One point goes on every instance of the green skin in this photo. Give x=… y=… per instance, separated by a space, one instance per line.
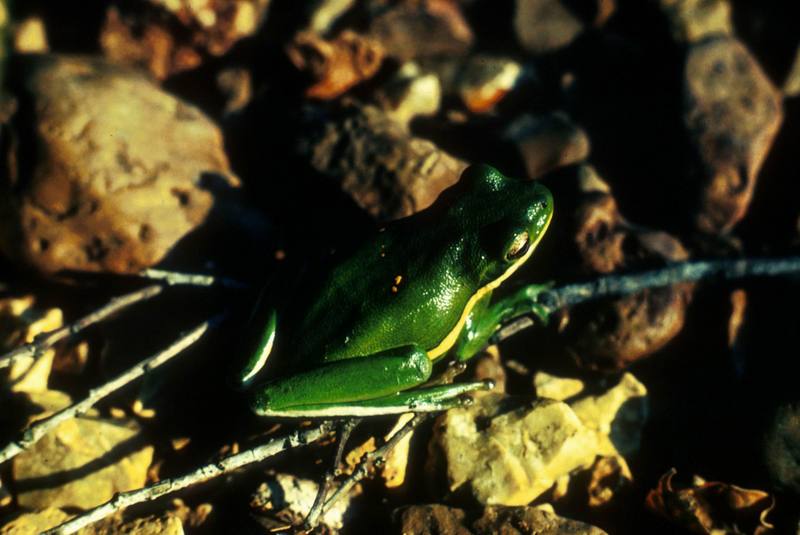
x=365 y=338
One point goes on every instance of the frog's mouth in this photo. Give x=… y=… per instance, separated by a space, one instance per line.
x=449 y=341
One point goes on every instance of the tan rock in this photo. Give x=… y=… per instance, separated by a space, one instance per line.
x=501 y=451
x=437 y=519
x=410 y=29
x=388 y=172
x=170 y=36
x=82 y=463
x=733 y=113
x=20 y=322
x=543 y=26
x=34 y=523
x=558 y=388
x=119 y=177
x=548 y=142
x=694 y=20
x=518 y=455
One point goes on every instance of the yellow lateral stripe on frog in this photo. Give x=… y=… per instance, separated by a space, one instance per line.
x=449 y=341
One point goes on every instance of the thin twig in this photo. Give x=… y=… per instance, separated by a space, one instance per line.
x=204 y=473
x=344 y=429
x=40 y=428
x=46 y=340
x=175 y=278
x=374 y=458
x=617 y=285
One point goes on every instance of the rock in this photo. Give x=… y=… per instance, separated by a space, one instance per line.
x=410 y=29
x=543 y=26
x=616 y=416
x=615 y=332
x=437 y=519
x=500 y=451
x=547 y=142
x=732 y=113
x=335 y=65
x=35 y=523
x=21 y=322
x=121 y=170
x=485 y=80
x=781 y=448
x=558 y=388
x=510 y=458
x=285 y=499
x=325 y=13
x=39 y=521
x=791 y=85
x=388 y=172
x=167 y=524
x=168 y=37
x=30 y=36
x=82 y=463
x=694 y=20
x=411 y=93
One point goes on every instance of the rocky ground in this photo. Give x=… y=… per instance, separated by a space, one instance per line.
x=249 y=138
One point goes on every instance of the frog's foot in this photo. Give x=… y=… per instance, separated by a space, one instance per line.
x=527 y=301
x=433 y=399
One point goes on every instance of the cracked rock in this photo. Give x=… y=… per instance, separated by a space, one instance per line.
x=121 y=171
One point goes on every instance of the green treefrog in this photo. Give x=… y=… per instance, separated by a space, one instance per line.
x=363 y=340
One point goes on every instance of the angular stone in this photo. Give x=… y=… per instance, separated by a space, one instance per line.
x=388 y=172
x=410 y=29
x=82 y=463
x=512 y=457
x=732 y=113
x=120 y=174
x=694 y=20
x=435 y=519
x=549 y=141
x=543 y=26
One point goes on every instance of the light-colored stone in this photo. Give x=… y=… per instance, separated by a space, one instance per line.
x=35 y=522
x=518 y=455
x=558 y=388
x=21 y=322
x=293 y=497
x=616 y=416
x=694 y=20
x=509 y=453
x=82 y=463
x=411 y=93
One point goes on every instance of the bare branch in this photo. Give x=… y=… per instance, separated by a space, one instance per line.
x=204 y=473
x=40 y=428
x=175 y=278
x=374 y=458
x=611 y=285
x=47 y=340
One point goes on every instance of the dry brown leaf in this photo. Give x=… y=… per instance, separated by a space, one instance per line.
x=712 y=507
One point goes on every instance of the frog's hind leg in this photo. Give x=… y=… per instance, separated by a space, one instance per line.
x=364 y=386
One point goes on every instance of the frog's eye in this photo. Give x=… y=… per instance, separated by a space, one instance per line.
x=518 y=247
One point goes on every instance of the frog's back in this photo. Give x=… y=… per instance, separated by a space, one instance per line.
x=388 y=294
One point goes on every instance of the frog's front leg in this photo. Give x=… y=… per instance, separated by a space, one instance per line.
x=377 y=384
x=486 y=318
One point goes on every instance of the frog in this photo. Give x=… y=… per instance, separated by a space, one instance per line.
x=365 y=336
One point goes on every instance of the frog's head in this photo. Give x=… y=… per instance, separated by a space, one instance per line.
x=504 y=219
